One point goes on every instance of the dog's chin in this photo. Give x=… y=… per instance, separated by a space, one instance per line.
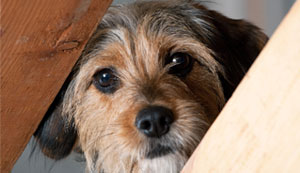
x=171 y=162
x=162 y=156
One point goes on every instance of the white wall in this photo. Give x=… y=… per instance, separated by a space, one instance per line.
x=236 y=9
x=267 y=14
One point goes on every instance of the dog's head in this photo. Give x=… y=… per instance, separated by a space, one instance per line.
x=149 y=83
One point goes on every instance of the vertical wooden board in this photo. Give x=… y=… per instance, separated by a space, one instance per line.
x=258 y=130
x=40 y=43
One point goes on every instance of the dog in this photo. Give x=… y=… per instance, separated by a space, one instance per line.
x=148 y=85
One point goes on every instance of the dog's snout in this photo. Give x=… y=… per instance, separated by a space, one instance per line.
x=154 y=121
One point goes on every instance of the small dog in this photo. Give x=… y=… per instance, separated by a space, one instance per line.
x=150 y=82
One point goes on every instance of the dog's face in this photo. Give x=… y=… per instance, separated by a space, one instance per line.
x=151 y=80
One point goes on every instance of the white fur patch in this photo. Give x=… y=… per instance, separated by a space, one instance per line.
x=171 y=163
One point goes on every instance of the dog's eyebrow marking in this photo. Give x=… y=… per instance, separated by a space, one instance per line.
x=100 y=40
x=109 y=36
x=132 y=46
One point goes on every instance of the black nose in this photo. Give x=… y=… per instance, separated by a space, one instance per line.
x=154 y=121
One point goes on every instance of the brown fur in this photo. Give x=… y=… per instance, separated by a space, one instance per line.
x=135 y=40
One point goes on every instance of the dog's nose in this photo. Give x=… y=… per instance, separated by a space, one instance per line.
x=154 y=121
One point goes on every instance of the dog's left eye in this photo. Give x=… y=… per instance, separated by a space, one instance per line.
x=106 y=81
x=180 y=64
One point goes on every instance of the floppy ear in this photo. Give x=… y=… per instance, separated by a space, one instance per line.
x=237 y=45
x=56 y=134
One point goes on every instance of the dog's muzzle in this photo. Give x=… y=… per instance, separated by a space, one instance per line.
x=155 y=122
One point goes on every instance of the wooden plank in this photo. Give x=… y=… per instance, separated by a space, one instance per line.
x=258 y=130
x=40 y=43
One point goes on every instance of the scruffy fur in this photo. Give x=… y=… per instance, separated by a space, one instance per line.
x=135 y=40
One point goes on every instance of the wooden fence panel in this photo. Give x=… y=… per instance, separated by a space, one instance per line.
x=259 y=128
x=40 y=42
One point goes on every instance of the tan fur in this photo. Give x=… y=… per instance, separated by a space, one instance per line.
x=137 y=48
x=106 y=122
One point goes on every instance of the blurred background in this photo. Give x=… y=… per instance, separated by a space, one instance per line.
x=267 y=14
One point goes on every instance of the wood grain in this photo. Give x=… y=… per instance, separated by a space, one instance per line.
x=40 y=43
x=258 y=130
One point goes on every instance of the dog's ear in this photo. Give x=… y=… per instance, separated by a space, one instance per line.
x=56 y=134
x=236 y=44
x=241 y=42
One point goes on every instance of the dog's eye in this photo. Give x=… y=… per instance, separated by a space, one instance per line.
x=180 y=64
x=105 y=80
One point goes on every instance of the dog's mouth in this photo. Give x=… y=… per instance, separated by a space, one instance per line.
x=158 y=151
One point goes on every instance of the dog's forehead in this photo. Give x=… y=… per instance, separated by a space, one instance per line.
x=176 y=18
x=147 y=32
x=156 y=15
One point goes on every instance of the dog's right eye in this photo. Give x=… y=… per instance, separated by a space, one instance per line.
x=180 y=64
x=106 y=81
